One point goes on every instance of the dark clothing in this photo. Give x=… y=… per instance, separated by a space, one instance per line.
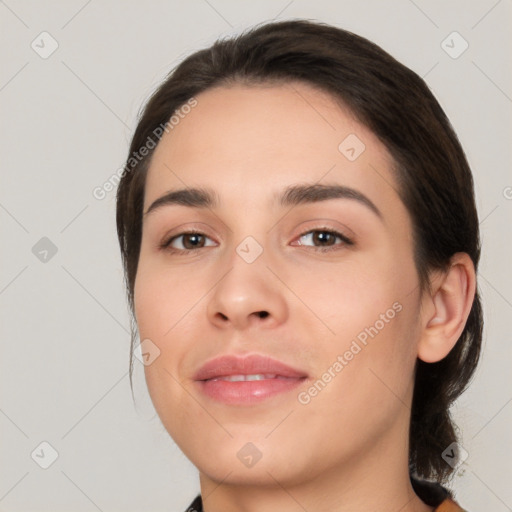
x=432 y=494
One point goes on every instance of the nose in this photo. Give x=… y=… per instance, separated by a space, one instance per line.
x=248 y=294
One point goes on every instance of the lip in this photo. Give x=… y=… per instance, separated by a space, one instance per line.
x=246 y=365
x=246 y=392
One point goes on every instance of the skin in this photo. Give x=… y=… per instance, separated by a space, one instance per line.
x=347 y=449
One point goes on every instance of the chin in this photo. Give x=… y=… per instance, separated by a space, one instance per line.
x=242 y=463
x=262 y=474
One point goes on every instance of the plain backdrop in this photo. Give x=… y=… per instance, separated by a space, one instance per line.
x=73 y=77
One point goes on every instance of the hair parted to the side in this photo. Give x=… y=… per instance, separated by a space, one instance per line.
x=433 y=176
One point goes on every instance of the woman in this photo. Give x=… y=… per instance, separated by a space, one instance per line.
x=300 y=241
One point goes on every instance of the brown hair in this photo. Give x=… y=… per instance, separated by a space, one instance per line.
x=433 y=176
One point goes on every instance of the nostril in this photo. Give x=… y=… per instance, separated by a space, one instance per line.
x=263 y=314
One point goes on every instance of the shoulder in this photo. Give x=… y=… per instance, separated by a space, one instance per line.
x=432 y=493
x=448 y=505
x=196 y=505
x=436 y=495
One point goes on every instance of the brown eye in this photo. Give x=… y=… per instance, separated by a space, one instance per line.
x=325 y=238
x=189 y=242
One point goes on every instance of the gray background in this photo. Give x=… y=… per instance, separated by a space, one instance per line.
x=66 y=124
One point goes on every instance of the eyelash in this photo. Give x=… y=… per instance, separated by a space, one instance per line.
x=165 y=245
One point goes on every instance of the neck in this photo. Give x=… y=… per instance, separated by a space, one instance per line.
x=376 y=479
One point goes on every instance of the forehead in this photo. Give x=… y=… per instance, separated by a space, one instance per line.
x=254 y=140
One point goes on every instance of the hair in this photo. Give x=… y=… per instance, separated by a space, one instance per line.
x=431 y=170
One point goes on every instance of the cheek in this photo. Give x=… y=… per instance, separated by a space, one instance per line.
x=167 y=304
x=365 y=381
x=371 y=308
x=160 y=306
x=350 y=296
x=163 y=300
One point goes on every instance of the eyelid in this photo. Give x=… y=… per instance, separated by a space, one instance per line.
x=329 y=225
x=184 y=229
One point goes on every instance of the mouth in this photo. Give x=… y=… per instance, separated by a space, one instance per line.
x=250 y=377
x=236 y=380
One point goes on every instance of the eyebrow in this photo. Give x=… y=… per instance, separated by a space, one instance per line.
x=206 y=198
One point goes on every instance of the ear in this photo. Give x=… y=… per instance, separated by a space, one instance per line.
x=446 y=308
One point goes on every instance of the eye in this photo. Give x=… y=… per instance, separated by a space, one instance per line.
x=191 y=241
x=326 y=238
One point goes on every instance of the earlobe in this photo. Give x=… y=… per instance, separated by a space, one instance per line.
x=446 y=309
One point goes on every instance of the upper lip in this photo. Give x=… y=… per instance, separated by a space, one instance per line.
x=246 y=365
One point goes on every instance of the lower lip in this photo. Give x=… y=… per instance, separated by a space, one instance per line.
x=247 y=392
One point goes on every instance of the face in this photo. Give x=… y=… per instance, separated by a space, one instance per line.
x=321 y=280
